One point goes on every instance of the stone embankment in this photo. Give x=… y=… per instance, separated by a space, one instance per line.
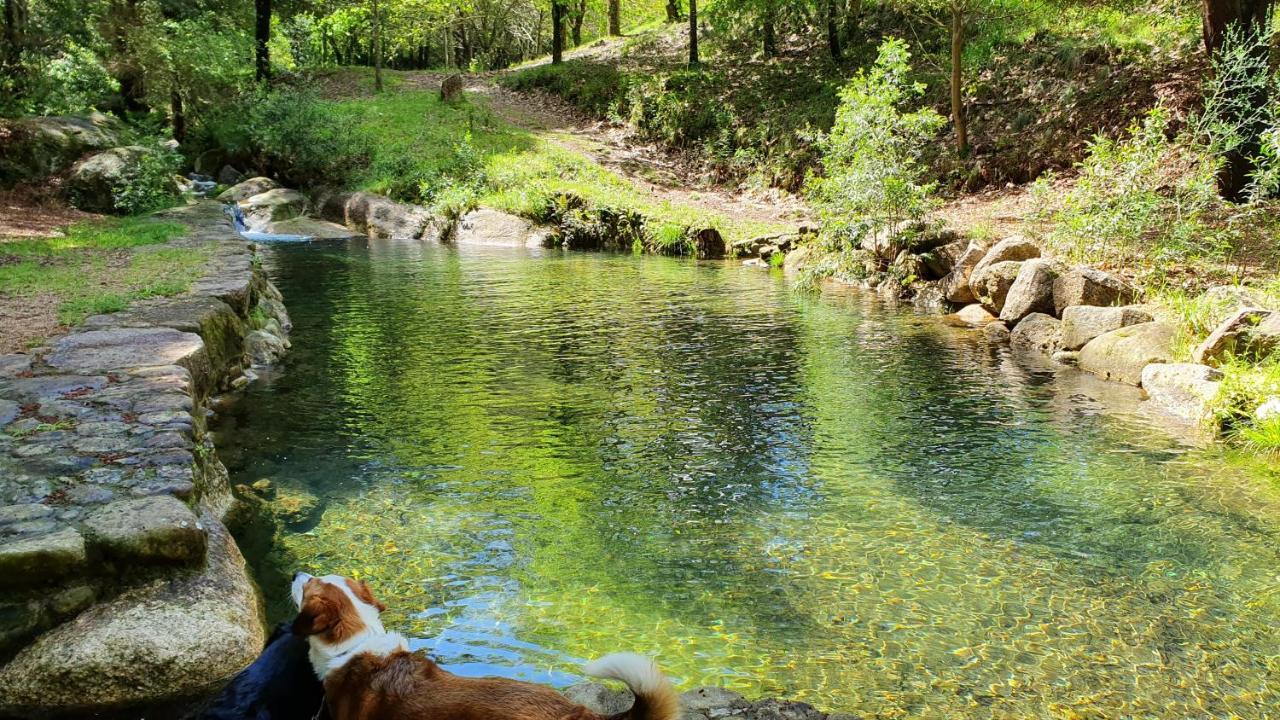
x=122 y=586
x=1077 y=315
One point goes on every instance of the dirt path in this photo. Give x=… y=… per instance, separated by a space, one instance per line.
x=664 y=174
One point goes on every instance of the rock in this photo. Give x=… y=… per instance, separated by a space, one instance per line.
x=1243 y=334
x=1086 y=286
x=956 y=284
x=1032 y=290
x=774 y=709
x=1184 y=390
x=451 y=88
x=272 y=206
x=991 y=284
x=93 y=181
x=167 y=640
x=929 y=296
x=708 y=243
x=1222 y=301
x=311 y=227
x=379 y=217
x=264 y=348
x=996 y=333
x=146 y=530
x=1082 y=323
x=1269 y=410
x=24 y=513
x=247 y=189
x=39 y=146
x=1037 y=331
x=1121 y=354
x=28 y=561
x=295 y=506
x=9 y=411
x=970 y=316
x=940 y=261
x=230 y=176
x=496 y=228
x=600 y=698
x=1067 y=357
x=124 y=348
x=1012 y=249
x=712 y=702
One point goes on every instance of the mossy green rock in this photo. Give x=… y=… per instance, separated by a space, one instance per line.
x=42 y=559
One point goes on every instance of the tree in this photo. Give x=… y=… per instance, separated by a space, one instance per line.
x=693 y=34
x=833 y=30
x=615 y=17
x=557 y=32
x=578 y=13
x=15 y=22
x=262 y=39
x=377 y=48
x=673 y=10
x=958 y=117
x=1252 y=20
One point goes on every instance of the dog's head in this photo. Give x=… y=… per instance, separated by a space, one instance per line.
x=333 y=609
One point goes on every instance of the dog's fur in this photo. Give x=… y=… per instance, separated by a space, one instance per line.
x=279 y=685
x=369 y=673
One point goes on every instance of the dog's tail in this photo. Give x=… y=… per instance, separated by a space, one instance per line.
x=655 y=698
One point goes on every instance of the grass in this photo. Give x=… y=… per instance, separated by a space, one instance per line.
x=99 y=267
x=455 y=156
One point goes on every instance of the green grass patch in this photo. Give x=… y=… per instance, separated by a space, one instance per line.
x=100 y=267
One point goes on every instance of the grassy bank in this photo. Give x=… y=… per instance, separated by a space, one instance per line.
x=95 y=267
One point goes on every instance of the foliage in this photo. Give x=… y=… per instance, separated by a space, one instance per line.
x=598 y=88
x=675 y=109
x=873 y=180
x=150 y=186
x=1140 y=196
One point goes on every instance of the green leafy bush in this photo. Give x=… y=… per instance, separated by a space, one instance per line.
x=679 y=109
x=150 y=186
x=873 y=180
x=1142 y=195
x=597 y=88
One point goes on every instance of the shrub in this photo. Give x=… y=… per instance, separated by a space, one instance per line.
x=873 y=177
x=680 y=109
x=597 y=88
x=1140 y=196
x=150 y=186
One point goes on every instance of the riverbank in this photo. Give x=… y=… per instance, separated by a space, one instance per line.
x=123 y=586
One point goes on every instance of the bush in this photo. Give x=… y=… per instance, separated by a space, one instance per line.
x=1141 y=196
x=680 y=109
x=596 y=88
x=150 y=186
x=873 y=177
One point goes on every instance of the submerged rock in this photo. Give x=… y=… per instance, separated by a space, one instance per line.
x=1184 y=390
x=1121 y=354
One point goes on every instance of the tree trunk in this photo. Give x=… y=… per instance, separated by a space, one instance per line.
x=833 y=31
x=178 y=116
x=769 y=33
x=673 y=10
x=693 y=34
x=852 y=11
x=262 y=36
x=557 y=32
x=377 y=48
x=579 y=14
x=1253 y=18
x=957 y=81
x=615 y=17
x=15 y=25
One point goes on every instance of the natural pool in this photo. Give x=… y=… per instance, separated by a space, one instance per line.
x=539 y=458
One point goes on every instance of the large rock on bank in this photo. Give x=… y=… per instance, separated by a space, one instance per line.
x=1082 y=323
x=247 y=189
x=956 y=283
x=272 y=206
x=1122 y=354
x=495 y=228
x=1039 y=332
x=168 y=640
x=1249 y=332
x=35 y=147
x=379 y=217
x=94 y=180
x=1184 y=390
x=991 y=284
x=1088 y=286
x=1011 y=249
x=1032 y=290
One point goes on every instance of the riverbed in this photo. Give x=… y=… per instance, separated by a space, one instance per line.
x=536 y=458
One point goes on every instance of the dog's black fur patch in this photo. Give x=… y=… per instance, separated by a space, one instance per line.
x=279 y=685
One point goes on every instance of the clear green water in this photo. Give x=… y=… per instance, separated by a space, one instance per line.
x=536 y=459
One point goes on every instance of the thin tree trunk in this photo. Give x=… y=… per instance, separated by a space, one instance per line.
x=377 y=48
x=693 y=34
x=957 y=81
x=833 y=31
x=262 y=36
x=615 y=17
x=579 y=14
x=557 y=32
x=15 y=25
x=178 y=116
x=852 y=11
x=673 y=10
x=769 y=33
x=1253 y=18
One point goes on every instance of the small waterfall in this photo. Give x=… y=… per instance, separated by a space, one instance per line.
x=237 y=218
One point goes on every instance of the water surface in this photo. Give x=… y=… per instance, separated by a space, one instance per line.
x=539 y=458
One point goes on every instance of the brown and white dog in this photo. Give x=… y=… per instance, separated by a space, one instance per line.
x=369 y=673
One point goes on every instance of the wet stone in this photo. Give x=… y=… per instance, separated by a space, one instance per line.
x=176 y=488
x=774 y=709
x=9 y=411
x=149 y=529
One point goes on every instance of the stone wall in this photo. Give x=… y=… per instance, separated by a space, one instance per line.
x=122 y=586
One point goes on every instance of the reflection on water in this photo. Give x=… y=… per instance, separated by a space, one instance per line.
x=539 y=459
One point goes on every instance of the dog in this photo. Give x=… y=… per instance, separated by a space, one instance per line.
x=369 y=673
x=279 y=685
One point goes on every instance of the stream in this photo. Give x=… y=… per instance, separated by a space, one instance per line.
x=538 y=457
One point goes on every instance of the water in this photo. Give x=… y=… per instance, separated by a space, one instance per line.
x=539 y=458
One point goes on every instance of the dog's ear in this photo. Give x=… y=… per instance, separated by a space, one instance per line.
x=316 y=615
x=362 y=591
